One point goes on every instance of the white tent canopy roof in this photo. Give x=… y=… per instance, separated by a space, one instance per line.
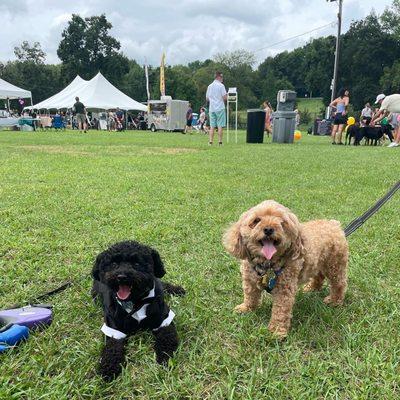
x=9 y=91
x=98 y=93
x=64 y=97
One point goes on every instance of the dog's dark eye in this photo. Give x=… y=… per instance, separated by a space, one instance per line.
x=255 y=222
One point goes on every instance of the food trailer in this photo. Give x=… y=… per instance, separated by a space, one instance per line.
x=167 y=114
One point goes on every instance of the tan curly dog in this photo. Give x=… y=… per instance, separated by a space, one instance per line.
x=269 y=239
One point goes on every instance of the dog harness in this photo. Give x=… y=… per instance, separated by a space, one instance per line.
x=125 y=318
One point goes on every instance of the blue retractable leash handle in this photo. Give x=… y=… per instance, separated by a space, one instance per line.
x=18 y=320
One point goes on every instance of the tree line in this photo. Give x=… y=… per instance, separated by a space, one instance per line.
x=369 y=64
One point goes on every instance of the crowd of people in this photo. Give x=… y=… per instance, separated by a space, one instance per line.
x=79 y=118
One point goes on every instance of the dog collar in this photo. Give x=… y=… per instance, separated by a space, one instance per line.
x=261 y=269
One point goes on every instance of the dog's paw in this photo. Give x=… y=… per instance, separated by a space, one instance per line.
x=162 y=358
x=309 y=287
x=278 y=332
x=178 y=291
x=109 y=372
x=174 y=290
x=243 y=308
x=332 y=302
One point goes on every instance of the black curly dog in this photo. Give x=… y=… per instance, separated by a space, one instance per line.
x=126 y=280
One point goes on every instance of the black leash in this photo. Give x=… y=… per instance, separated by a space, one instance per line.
x=356 y=223
x=36 y=301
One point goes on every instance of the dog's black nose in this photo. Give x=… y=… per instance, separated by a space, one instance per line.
x=268 y=231
x=121 y=276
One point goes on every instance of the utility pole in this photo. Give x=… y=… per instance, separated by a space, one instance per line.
x=336 y=67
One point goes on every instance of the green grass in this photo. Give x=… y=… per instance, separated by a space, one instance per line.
x=313 y=105
x=64 y=197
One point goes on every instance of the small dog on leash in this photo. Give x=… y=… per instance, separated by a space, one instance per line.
x=270 y=240
x=126 y=278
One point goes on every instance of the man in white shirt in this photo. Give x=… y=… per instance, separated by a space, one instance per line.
x=216 y=96
x=389 y=104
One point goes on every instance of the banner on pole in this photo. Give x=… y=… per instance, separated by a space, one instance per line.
x=162 y=75
x=146 y=71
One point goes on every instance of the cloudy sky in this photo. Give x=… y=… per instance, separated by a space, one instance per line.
x=186 y=29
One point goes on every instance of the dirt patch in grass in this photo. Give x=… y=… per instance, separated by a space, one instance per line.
x=114 y=150
x=72 y=150
x=173 y=150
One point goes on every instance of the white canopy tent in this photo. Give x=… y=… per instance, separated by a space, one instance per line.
x=101 y=94
x=98 y=93
x=9 y=91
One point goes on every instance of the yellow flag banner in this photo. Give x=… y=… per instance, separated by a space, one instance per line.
x=162 y=75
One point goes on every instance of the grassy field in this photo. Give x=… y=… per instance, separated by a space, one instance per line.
x=64 y=197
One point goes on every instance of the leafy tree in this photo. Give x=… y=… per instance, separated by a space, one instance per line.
x=318 y=67
x=235 y=59
x=271 y=80
x=391 y=19
x=33 y=53
x=87 y=47
x=366 y=51
x=134 y=82
x=271 y=84
x=390 y=80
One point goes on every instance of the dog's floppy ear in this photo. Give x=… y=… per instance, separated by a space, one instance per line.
x=102 y=260
x=233 y=241
x=293 y=226
x=298 y=247
x=159 y=270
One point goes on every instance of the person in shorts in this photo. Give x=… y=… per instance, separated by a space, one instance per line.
x=388 y=105
x=216 y=97
x=80 y=114
x=202 y=120
x=394 y=119
x=340 y=116
x=189 y=119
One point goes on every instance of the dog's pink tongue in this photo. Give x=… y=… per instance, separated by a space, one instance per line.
x=268 y=249
x=123 y=292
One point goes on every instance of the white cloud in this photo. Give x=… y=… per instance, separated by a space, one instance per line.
x=187 y=29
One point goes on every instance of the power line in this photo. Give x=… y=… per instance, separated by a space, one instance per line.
x=296 y=36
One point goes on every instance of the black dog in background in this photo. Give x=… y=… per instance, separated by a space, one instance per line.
x=371 y=134
x=126 y=280
x=353 y=131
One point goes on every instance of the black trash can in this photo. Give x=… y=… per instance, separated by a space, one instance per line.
x=255 y=126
